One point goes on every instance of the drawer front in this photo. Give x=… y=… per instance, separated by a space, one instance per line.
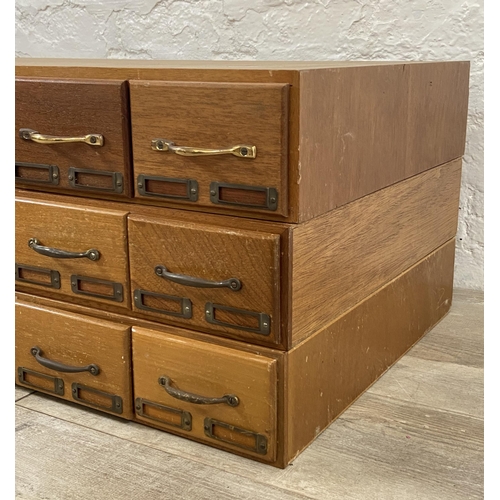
x=215 y=394
x=206 y=277
x=73 y=251
x=94 y=113
x=215 y=145
x=74 y=357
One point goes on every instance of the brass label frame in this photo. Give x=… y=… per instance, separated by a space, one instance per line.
x=52 y=173
x=117 y=288
x=116 y=401
x=58 y=382
x=55 y=277
x=185 y=417
x=191 y=187
x=271 y=195
x=185 y=305
x=116 y=178
x=260 y=440
x=264 y=319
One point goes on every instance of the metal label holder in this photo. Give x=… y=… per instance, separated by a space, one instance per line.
x=116 y=179
x=264 y=320
x=58 y=382
x=184 y=416
x=116 y=402
x=117 y=288
x=271 y=198
x=191 y=187
x=55 y=277
x=52 y=173
x=185 y=305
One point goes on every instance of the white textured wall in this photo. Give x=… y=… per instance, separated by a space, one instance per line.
x=282 y=30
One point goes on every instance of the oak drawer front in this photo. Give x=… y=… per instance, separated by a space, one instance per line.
x=72 y=250
x=209 y=278
x=172 y=121
x=74 y=357
x=94 y=112
x=212 y=393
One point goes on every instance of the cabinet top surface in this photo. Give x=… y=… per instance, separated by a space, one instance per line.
x=237 y=65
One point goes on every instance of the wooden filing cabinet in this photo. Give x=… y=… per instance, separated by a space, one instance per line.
x=259 y=241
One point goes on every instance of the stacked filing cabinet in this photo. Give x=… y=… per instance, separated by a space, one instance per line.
x=231 y=252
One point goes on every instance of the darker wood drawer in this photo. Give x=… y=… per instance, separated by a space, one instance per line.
x=210 y=278
x=73 y=109
x=51 y=345
x=197 y=117
x=58 y=230
x=220 y=396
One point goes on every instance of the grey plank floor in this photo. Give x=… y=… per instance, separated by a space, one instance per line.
x=416 y=434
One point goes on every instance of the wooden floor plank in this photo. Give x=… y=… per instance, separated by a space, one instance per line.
x=22 y=392
x=83 y=463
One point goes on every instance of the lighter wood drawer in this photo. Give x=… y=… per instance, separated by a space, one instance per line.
x=197 y=117
x=218 y=395
x=74 y=357
x=57 y=245
x=73 y=109
x=209 y=278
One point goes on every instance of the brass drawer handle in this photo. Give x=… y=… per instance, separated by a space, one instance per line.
x=54 y=365
x=241 y=151
x=91 y=254
x=229 y=399
x=231 y=283
x=32 y=135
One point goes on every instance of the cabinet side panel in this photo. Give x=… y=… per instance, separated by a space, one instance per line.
x=328 y=371
x=365 y=128
x=349 y=253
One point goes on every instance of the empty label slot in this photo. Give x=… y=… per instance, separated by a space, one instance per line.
x=234 y=435
x=231 y=317
x=247 y=196
x=243 y=196
x=98 y=399
x=97 y=288
x=38 y=276
x=186 y=189
x=41 y=381
x=236 y=318
x=37 y=173
x=164 y=304
x=95 y=180
x=164 y=414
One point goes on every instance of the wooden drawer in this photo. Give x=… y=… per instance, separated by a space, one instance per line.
x=211 y=278
x=93 y=109
x=215 y=394
x=59 y=234
x=173 y=119
x=74 y=357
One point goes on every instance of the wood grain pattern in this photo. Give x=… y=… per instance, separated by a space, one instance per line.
x=76 y=340
x=328 y=371
x=210 y=371
x=354 y=127
x=380 y=448
x=211 y=253
x=342 y=257
x=76 y=108
x=365 y=128
x=216 y=116
x=74 y=228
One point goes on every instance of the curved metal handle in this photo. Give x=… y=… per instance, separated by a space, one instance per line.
x=32 y=135
x=91 y=254
x=54 y=365
x=241 y=151
x=231 y=283
x=229 y=399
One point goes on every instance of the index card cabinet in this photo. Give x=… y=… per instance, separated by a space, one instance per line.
x=259 y=241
